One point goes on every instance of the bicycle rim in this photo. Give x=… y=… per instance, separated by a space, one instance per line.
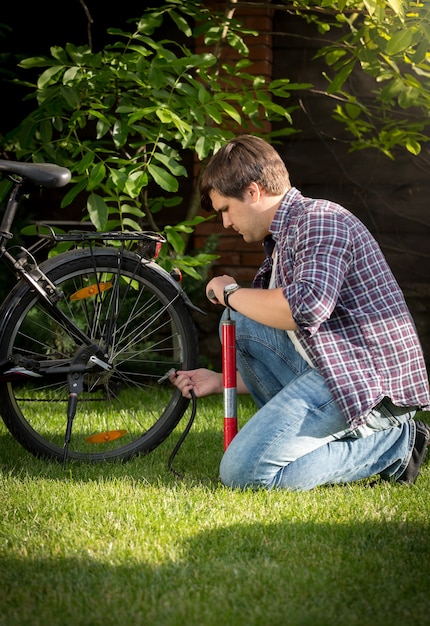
x=143 y=329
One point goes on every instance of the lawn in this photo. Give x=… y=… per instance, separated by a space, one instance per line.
x=133 y=544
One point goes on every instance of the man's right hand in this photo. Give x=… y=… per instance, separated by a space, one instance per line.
x=202 y=381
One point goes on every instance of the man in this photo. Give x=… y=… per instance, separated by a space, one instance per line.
x=325 y=342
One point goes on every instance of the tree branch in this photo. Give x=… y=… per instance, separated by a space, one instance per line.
x=90 y=22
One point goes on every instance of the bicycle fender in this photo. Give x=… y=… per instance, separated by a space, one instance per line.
x=9 y=302
x=160 y=270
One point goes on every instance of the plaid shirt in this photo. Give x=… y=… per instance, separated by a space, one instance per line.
x=353 y=321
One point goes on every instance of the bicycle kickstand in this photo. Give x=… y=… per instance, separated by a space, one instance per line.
x=76 y=386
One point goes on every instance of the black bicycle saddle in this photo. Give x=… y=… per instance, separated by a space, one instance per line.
x=45 y=174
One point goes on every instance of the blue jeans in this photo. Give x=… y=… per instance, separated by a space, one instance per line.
x=298 y=439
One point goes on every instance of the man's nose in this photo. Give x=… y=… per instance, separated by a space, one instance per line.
x=226 y=222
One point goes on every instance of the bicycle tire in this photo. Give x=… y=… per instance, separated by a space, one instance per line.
x=122 y=412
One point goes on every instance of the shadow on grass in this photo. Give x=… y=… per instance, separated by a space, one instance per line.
x=290 y=573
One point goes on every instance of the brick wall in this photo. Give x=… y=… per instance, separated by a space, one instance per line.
x=236 y=257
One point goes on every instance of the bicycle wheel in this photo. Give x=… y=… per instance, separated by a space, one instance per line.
x=142 y=327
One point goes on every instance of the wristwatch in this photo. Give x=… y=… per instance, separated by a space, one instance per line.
x=228 y=290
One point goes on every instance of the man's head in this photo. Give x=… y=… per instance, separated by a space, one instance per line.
x=242 y=161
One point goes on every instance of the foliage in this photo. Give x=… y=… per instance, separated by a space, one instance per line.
x=130 y=119
x=389 y=41
x=122 y=119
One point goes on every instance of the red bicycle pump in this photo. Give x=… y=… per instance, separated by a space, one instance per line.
x=228 y=340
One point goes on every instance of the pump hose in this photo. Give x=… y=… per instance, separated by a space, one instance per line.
x=184 y=434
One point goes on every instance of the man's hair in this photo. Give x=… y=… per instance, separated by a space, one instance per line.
x=240 y=162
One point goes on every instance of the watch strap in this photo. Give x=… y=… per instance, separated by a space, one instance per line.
x=227 y=295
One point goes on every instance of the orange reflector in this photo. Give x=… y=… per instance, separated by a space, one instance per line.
x=108 y=435
x=91 y=290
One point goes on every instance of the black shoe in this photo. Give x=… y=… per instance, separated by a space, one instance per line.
x=419 y=453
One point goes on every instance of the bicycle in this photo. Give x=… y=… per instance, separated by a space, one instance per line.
x=88 y=337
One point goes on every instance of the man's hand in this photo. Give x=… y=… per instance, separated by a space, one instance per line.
x=215 y=288
x=202 y=381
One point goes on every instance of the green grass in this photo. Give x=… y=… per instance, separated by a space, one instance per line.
x=131 y=544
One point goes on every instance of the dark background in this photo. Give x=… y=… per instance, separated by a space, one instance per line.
x=34 y=27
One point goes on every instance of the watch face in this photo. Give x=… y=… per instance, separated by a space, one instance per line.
x=228 y=290
x=230 y=287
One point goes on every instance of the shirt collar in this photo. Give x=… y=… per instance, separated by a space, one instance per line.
x=268 y=244
x=281 y=215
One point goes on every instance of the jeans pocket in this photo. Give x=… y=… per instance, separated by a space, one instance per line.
x=388 y=415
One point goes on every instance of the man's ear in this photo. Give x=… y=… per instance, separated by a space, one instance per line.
x=254 y=191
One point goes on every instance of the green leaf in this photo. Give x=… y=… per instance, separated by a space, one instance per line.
x=120 y=133
x=132 y=224
x=97 y=210
x=273 y=107
x=131 y=209
x=175 y=239
x=94 y=113
x=238 y=43
x=181 y=23
x=164 y=115
x=250 y=107
x=204 y=96
x=421 y=52
x=391 y=90
x=202 y=61
x=35 y=62
x=399 y=42
x=70 y=95
x=168 y=116
x=149 y=23
x=157 y=77
x=353 y=111
x=140 y=113
x=408 y=97
x=370 y=6
x=45 y=130
x=60 y=54
x=413 y=146
x=339 y=79
x=214 y=112
x=165 y=180
x=97 y=174
x=334 y=55
x=203 y=147
x=70 y=74
x=187 y=269
x=231 y=111
x=102 y=128
x=86 y=161
x=182 y=228
x=135 y=182
x=172 y=164
x=203 y=259
x=397 y=6
x=47 y=78
x=58 y=124
x=198 y=219
x=73 y=192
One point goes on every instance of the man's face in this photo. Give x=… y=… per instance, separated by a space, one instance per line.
x=246 y=216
